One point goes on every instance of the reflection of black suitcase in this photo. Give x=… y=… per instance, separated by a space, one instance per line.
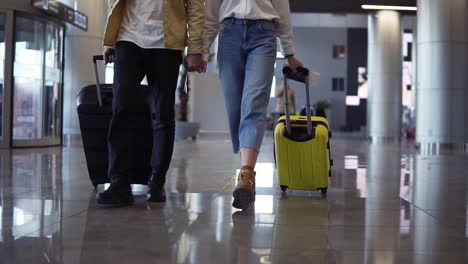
x=94 y=106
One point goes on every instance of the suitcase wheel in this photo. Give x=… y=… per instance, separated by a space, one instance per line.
x=323 y=191
x=283 y=188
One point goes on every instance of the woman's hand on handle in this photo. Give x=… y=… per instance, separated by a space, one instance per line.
x=294 y=63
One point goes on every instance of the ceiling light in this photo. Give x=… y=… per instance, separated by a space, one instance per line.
x=388 y=7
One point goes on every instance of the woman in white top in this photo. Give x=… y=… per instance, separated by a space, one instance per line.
x=246 y=57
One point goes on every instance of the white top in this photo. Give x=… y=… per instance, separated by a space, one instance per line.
x=142 y=23
x=277 y=10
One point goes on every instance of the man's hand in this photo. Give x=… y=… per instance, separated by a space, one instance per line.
x=194 y=62
x=294 y=63
x=109 y=54
x=203 y=66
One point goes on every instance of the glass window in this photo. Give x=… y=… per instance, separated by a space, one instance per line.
x=52 y=81
x=28 y=78
x=337 y=84
x=339 y=52
x=2 y=68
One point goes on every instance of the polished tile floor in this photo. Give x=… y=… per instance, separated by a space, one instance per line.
x=386 y=204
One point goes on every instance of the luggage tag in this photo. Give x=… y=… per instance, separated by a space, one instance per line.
x=313 y=78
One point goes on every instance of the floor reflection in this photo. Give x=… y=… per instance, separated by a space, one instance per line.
x=386 y=204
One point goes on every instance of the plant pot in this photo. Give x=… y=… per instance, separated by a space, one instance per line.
x=321 y=112
x=185 y=130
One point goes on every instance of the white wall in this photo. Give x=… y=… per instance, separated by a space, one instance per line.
x=80 y=46
x=207 y=102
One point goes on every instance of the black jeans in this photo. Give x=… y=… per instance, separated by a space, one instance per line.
x=161 y=67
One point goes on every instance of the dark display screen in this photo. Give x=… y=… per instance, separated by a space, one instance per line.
x=62 y=12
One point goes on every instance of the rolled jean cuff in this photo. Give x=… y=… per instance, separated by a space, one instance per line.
x=257 y=148
x=254 y=147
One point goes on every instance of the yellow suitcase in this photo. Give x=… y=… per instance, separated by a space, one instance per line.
x=302 y=148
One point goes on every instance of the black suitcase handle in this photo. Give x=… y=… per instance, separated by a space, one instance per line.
x=301 y=75
x=97 y=58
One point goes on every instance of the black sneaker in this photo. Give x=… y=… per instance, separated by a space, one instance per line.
x=156 y=194
x=118 y=194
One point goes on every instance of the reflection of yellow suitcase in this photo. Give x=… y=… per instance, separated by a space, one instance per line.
x=305 y=232
x=302 y=148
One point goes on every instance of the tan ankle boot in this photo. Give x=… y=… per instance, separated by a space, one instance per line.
x=244 y=193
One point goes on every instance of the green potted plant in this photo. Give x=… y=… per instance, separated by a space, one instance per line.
x=320 y=108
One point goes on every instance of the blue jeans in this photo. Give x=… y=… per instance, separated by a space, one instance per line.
x=246 y=59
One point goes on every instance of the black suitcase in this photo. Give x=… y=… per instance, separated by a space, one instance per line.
x=94 y=106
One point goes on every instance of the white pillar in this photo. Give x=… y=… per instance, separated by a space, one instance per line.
x=385 y=75
x=442 y=74
x=80 y=46
x=383 y=187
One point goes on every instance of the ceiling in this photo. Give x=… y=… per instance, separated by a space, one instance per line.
x=341 y=6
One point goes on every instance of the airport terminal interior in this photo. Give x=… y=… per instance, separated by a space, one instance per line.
x=393 y=86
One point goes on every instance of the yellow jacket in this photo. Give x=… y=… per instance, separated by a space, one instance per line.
x=179 y=16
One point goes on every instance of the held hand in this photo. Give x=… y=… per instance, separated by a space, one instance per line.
x=194 y=62
x=109 y=54
x=294 y=63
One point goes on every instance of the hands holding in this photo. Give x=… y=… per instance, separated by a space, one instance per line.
x=195 y=63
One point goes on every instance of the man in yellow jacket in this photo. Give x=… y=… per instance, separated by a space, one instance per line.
x=147 y=38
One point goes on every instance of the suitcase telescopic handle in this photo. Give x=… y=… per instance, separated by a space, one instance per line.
x=97 y=58
x=301 y=75
x=286 y=73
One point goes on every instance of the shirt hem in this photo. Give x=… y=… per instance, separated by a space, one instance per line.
x=148 y=47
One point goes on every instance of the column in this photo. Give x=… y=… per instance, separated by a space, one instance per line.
x=442 y=74
x=384 y=76
x=382 y=205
